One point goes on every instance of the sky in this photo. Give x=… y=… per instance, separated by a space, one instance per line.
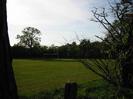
x=60 y=21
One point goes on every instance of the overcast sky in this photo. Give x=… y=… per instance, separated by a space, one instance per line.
x=58 y=20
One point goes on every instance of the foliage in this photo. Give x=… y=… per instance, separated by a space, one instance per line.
x=100 y=89
x=119 y=42
x=73 y=50
x=54 y=94
x=30 y=37
x=96 y=89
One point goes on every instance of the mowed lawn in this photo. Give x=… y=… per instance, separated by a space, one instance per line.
x=34 y=76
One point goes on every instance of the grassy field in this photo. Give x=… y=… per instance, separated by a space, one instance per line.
x=34 y=76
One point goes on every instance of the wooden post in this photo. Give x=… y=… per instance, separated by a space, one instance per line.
x=8 y=89
x=70 y=91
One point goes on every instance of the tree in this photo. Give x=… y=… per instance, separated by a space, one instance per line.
x=84 y=48
x=73 y=50
x=116 y=70
x=8 y=88
x=30 y=37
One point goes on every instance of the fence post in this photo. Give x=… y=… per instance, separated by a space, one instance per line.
x=70 y=91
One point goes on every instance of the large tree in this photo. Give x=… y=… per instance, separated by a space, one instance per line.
x=8 y=89
x=117 y=67
x=30 y=37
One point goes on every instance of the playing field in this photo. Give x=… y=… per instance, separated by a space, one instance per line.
x=34 y=76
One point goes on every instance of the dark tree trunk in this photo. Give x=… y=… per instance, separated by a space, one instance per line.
x=8 y=88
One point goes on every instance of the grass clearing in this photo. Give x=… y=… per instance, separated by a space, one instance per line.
x=34 y=76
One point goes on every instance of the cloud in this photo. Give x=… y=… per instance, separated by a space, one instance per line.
x=53 y=17
x=49 y=12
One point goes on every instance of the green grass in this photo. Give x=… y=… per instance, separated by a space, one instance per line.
x=34 y=76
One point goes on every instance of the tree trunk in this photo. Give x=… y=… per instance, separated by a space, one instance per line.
x=8 y=88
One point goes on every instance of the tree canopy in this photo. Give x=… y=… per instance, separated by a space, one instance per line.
x=116 y=68
x=30 y=37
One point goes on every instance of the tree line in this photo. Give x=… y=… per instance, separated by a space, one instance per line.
x=85 y=49
x=29 y=47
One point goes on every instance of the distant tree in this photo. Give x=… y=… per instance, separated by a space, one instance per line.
x=84 y=48
x=19 y=52
x=52 y=49
x=30 y=37
x=8 y=88
x=95 y=50
x=73 y=50
x=63 y=51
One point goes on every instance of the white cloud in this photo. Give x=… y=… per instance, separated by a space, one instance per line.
x=46 y=11
x=52 y=17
